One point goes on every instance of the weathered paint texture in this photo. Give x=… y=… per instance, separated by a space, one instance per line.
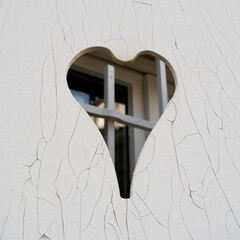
x=57 y=180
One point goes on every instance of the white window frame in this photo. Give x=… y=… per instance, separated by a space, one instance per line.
x=110 y=115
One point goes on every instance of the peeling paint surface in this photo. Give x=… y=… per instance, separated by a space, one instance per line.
x=57 y=180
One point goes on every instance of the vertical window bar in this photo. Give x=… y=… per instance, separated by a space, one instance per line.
x=162 y=85
x=109 y=101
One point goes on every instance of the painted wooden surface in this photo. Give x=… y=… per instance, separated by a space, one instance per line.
x=57 y=180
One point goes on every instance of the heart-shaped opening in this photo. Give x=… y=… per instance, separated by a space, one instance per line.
x=124 y=99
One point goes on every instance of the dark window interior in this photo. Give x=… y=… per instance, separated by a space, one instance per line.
x=90 y=90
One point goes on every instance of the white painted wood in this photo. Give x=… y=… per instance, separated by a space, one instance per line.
x=57 y=179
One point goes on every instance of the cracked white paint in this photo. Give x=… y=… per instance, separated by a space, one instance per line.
x=57 y=180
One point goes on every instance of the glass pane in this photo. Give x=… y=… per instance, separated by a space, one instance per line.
x=122 y=160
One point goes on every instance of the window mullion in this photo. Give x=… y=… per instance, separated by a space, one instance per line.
x=114 y=115
x=162 y=85
x=109 y=101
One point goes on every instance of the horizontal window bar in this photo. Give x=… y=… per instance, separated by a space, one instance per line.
x=118 y=117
